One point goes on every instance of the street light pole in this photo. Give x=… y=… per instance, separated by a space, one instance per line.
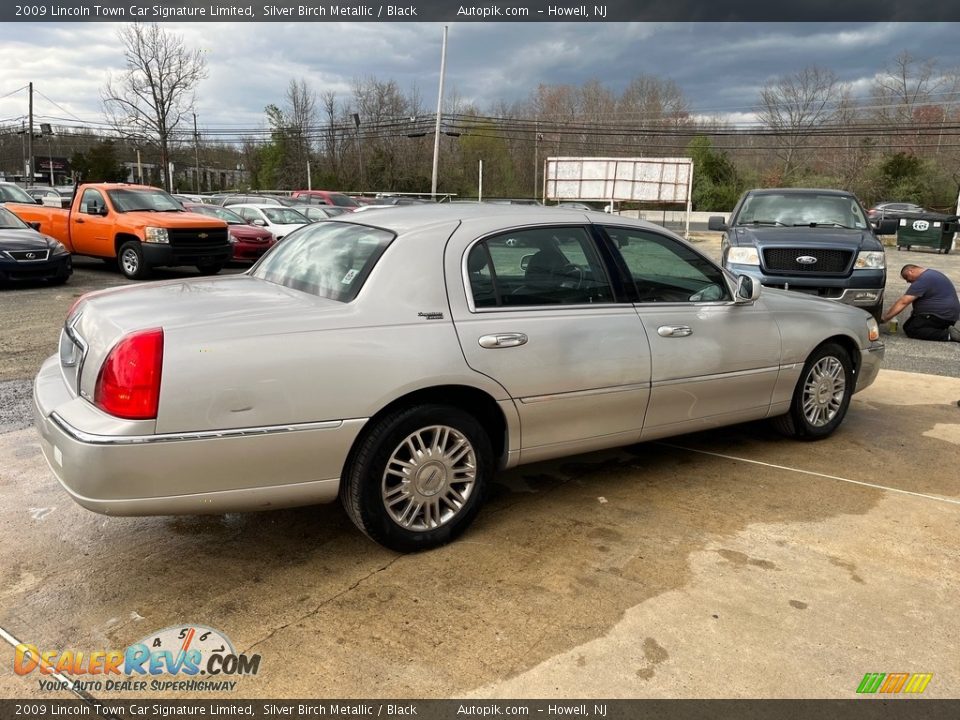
x=436 y=134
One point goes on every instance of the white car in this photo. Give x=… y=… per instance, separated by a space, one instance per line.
x=279 y=220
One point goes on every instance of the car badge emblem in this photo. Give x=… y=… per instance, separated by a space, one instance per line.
x=31 y=256
x=921 y=225
x=202 y=236
x=806 y=260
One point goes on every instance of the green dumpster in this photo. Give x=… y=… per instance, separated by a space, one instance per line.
x=929 y=230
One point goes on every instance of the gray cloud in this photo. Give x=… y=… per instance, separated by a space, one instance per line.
x=720 y=67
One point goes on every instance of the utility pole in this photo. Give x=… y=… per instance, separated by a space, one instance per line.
x=196 y=156
x=356 y=122
x=30 y=142
x=436 y=135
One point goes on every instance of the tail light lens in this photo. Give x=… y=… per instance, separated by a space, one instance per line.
x=129 y=382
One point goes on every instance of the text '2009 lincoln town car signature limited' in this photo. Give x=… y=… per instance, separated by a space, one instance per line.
x=397 y=359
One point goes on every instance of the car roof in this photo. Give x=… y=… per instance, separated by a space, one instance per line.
x=409 y=218
x=799 y=191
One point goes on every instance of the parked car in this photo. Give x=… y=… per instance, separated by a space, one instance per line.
x=249 y=242
x=141 y=227
x=11 y=192
x=313 y=213
x=279 y=220
x=894 y=210
x=230 y=200
x=397 y=359
x=325 y=197
x=818 y=242
x=26 y=254
x=50 y=196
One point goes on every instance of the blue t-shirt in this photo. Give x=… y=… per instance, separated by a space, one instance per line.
x=935 y=295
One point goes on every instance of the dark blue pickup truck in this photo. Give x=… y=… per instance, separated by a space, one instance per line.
x=818 y=242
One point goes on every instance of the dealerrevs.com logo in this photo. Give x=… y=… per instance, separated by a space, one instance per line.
x=179 y=658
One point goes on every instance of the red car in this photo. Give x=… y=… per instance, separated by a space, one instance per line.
x=326 y=197
x=248 y=241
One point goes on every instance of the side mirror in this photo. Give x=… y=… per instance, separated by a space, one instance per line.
x=38 y=201
x=35 y=225
x=258 y=222
x=717 y=223
x=748 y=289
x=886 y=226
x=525 y=262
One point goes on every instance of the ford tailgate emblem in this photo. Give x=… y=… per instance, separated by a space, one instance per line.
x=806 y=260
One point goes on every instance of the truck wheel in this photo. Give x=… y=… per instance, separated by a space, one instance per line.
x=417 y=479
x=130 y=259
x=211 y=269
x=822 y=395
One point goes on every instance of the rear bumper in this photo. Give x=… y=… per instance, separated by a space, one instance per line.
x=239 y=469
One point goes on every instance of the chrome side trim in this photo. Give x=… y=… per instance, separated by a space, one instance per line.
x=719 y=376
x=585 y=393
x=92 y=439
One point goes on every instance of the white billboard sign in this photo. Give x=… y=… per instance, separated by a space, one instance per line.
x=644 y=180
x=640 y=180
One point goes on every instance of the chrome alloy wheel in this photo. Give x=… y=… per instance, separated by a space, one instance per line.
x=429 y=478
x=130 y=262
x=823 y=391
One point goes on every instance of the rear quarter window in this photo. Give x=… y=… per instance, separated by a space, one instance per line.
x=330 y=260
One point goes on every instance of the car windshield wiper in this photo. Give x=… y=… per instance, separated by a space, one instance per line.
x=817 y=224
x=763 y=222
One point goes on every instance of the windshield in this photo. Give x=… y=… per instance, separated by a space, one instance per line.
x=341 y=200
x=799 y=209
x=331 y=260
x=147 y=199
x=284 y=216
x=9 y=221
x=15 y=193
x=229 y=216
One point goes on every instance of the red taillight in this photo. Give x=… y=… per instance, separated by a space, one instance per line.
x=129 y=382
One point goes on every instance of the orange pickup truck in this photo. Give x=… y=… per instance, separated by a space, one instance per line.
x=138 y=226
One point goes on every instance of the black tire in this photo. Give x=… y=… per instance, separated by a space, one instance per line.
x=814 y=390
x=211 y=269
x=131 y=262
x=876 y=311
x=366 y=482
x=58 y=279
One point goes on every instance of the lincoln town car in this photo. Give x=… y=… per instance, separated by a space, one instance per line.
x=396 y=360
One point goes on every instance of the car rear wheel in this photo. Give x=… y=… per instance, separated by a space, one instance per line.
x=418 y=477
x=822 y=395
x=130 y=259
x=211 y=269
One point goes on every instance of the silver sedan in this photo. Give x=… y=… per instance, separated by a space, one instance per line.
x=398 y=359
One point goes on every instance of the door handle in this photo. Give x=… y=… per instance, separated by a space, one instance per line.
x=79 y=221
x=674 y=331
x=503 y=340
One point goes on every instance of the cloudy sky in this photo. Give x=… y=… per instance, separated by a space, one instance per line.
x=719 y=67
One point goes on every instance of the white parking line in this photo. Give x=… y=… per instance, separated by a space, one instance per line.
x=68 y=683
x=937 y=498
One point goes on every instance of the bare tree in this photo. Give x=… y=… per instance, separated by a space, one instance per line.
x=150 y=99
x=794 y=105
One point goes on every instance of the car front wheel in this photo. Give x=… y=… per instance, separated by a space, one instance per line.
x=418 y=477
x=130 y=260
x=822 y=395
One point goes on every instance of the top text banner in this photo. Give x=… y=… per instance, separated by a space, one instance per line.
x=506 y=11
